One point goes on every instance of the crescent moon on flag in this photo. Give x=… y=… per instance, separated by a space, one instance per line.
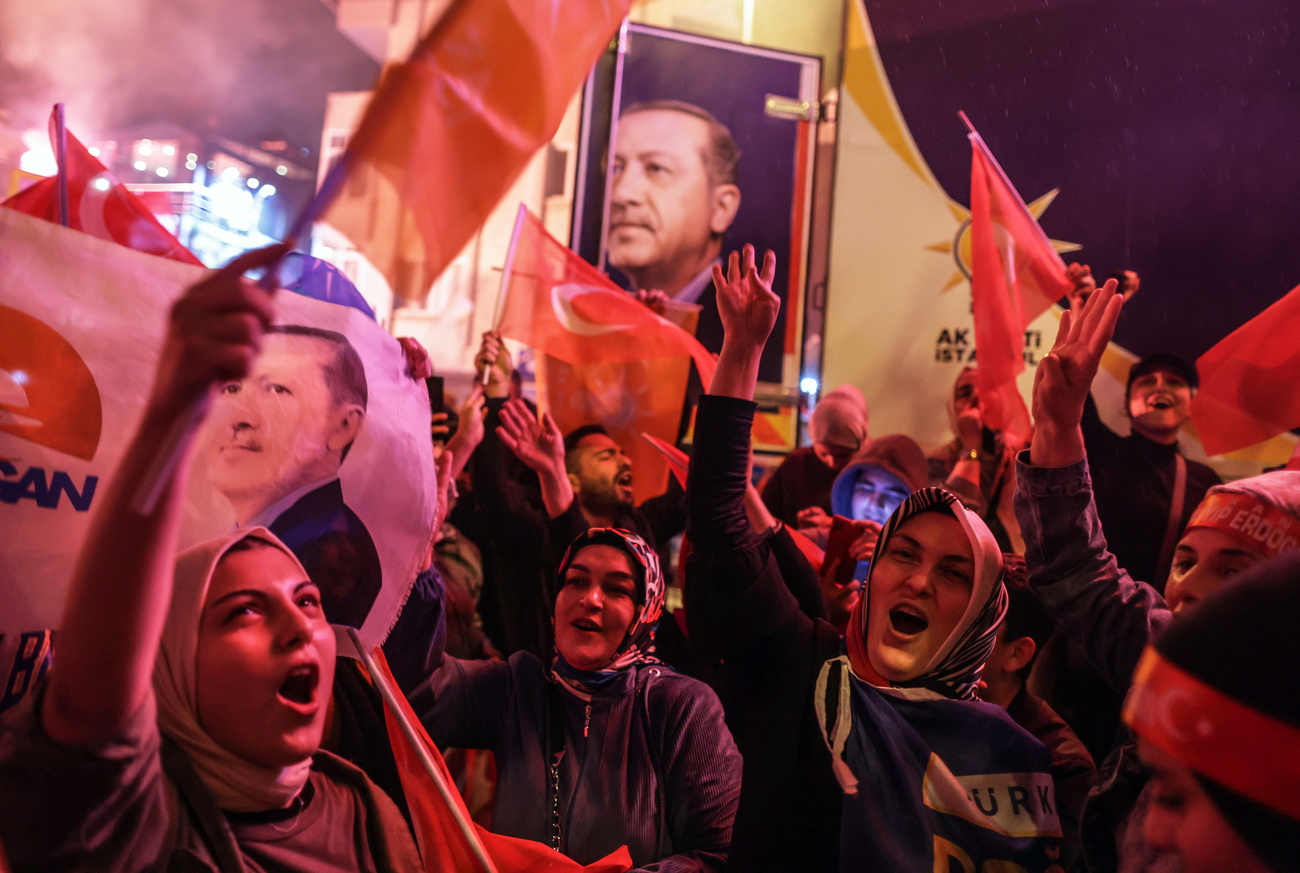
x=94 y=200
x=562 y=304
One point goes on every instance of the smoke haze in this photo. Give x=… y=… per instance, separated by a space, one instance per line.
x=250 y=70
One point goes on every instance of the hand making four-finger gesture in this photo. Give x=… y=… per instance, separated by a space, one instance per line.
x=1064 y=378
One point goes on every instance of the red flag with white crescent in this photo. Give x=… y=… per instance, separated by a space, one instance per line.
x=99 y=205
x=559 y=304
x=1015 y=276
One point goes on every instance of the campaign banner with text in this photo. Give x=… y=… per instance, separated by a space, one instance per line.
x=306 y=445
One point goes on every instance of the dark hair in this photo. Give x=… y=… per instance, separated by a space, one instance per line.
x=722 y=160
x=1026 y=615
x=578 y=434
x=344 y=373
x=575 y=436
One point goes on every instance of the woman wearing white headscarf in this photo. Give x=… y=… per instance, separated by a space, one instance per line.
x=180 y=727
x=919 y=775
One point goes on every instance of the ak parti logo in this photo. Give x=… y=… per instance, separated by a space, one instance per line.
x=47 y=394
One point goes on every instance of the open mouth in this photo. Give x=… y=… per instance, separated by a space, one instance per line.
x=1161 y=403
x=301 y=683
x=907 y=622
x=243 y=447
x=624 y=479
x=584 y=624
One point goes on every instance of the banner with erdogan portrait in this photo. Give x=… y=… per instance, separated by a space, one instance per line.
x=306 y=445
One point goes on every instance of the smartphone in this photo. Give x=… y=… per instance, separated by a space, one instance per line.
x=843 y=534
x=433 y=385
x=437 y=403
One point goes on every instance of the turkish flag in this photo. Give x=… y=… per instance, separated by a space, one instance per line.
x=99 y=205
x=449 y=131
x=443 y=845
x=559 y=304
x=1248 y=381
x=628 y=398
x=1015 y=276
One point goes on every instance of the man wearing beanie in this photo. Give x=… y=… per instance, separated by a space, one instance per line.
x=1092 y=599
x=837 y=428
x=1144 y=488
x=1220 y=731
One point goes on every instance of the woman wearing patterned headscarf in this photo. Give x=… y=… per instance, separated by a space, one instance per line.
x=604 y=746
x=920 y=775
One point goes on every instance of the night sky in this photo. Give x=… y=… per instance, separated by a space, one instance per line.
x=1170 y=128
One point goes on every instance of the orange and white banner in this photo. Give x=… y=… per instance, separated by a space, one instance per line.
x=81 y=326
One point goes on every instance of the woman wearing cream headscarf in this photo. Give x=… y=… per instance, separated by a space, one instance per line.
x=182 y=721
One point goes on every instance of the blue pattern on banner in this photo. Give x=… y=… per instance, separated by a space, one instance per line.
x=321 y=280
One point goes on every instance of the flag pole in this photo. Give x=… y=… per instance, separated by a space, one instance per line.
x=61 y=149
x=169 y=457
x=417 y=743
x=165 y=463
x=507 y=273
x=978 y=142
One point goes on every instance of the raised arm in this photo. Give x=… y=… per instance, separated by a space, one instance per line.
x=469 y=434
x=719 y=475
x=737 y=602
x=1094 y=601
x=537 y=441
x=1064 y=378
x=120 y=589
x=748 y=308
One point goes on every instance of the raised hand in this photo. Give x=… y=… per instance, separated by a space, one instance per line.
x=540 y=445
x=746 y=303
x=1065 y=376
x=654 y=299
x=970 y=427
x=469 y=433
x=748 y=308
x=493 y=358
x=1080 y=275
x=215 y=331
x=418 y=365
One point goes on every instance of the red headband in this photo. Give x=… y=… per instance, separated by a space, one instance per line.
x=1238 y=747
x=1266 y=529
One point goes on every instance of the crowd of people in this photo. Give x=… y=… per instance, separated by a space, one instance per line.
x=1066 y=655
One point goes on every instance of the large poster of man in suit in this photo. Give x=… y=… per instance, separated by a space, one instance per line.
x=683 y=161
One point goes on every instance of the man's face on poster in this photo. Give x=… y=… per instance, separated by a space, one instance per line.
x=281 y=427
x=667 y=214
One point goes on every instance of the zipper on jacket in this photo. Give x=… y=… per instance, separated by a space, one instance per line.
x=586 y=722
